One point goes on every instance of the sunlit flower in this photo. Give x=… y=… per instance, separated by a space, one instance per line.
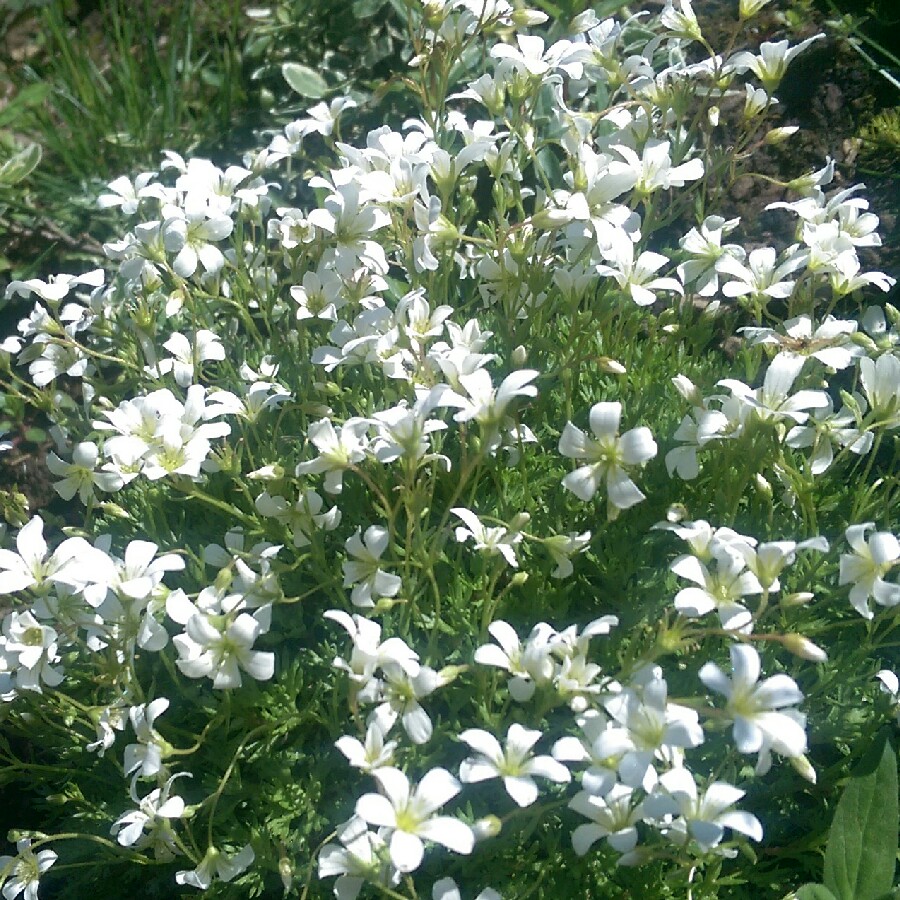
x=515 y=764
x=409 y=814
x=608 y=456
x=762 y=721
x=23 y=871
x=867 y=567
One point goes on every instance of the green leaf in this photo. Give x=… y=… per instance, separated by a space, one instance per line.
x=32 y=95
x=21 y=165
x=862 y=844
x=813 y=891
x=304 y=80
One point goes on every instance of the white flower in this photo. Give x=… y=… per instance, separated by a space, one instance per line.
x=357 y=859
x=762 y=278
x=364 y=573
x=636 y=276
x=704 y=247
x=149 y=825
x=773 y=401
x=446 y=889
x=147 y=755
x=493 y=541
x=881 y=382
x=33 y=648
x=217 y=865
x=613 y=816
x=410 y=815
x=371 y=755
x=190 y=233
x=24 y=870
x=890 y=685
x=773 y=59
x=186 y=357
x=654 y=168
x=867 y=567
x=761 y=722
x=515 y=764
x=400 y=693
x=369 y=651
x=81 y=476
x=530 y=665
x=338 y=450
x=608 y=456
x=830 y=343
x=826 y=429
x=218 y=647
x=702 y=817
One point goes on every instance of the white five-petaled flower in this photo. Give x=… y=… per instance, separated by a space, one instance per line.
x=187 y=356
x=701 y=816
x=219 y=647
x=338 y=449
x=867 y=566
x=372 y=753
x=762 y=722
x=217 y=865
x=515 y=764
x=492 y=541
x=607 y=456
x=81 y=476
x=25 y=870
x=530 y=664
x=363 y=572
x=409 y=813
x=636 y=276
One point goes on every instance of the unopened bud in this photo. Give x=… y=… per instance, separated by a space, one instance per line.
x=611 y=366
x=713 y=116
x=763 y=486
x=387 y=603
x=223 y=580
x=267 y=473
x=526 y=18
x=804 y=768
x=519 y=521
x=780 y=135
x=113 y=509
x=804 y=648
x=688 y=390
x=677 y=512
x=518 y=579
x=286 y=871
x=551 y=217
x=488 y=827
x=800 y=598
x=892 y=313
x=519 y=356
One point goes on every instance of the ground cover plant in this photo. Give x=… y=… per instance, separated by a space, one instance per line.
x=467 y=510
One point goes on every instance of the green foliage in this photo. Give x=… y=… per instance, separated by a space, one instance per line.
x=862 y=845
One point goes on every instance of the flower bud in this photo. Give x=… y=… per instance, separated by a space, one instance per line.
x=805 y=649
x=286 y=871
x=488 y=827
x=518 y=579
x=519 y=521
x=526 y=18
x=688 y=390
x=763 y=486
x=519 y=356
x=801 y=598
x=804 y=768
x=611 y=366
x=780 y=135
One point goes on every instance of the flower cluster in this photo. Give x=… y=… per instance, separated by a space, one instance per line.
x=373 y=397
